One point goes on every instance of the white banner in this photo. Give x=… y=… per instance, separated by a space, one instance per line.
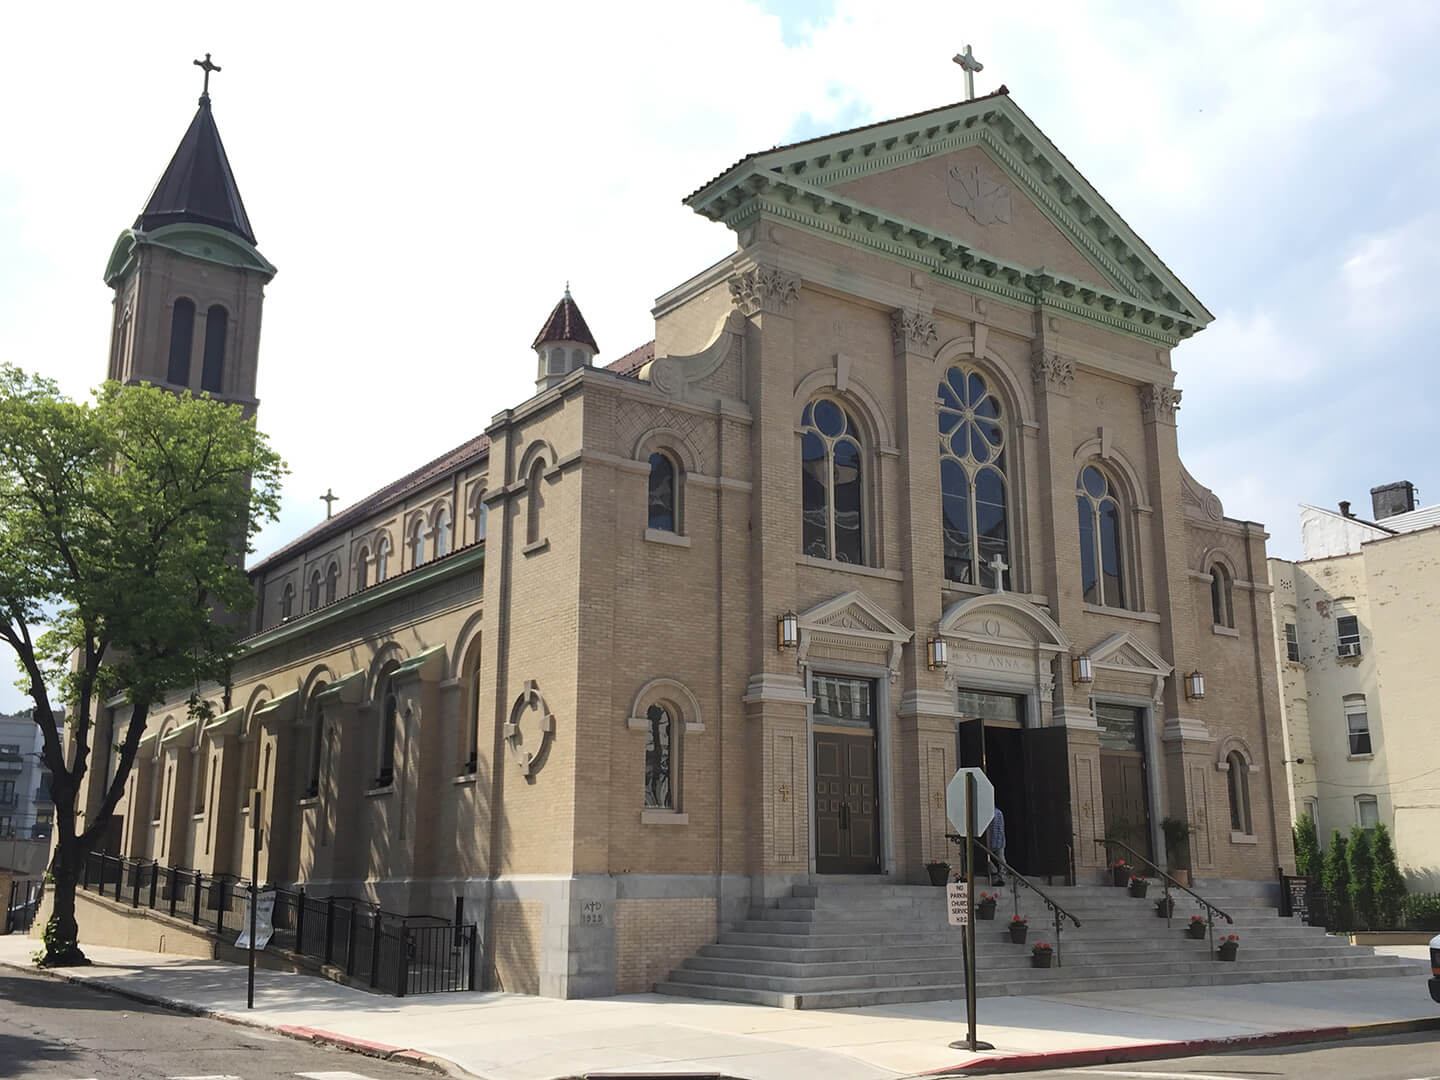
x=264 y=921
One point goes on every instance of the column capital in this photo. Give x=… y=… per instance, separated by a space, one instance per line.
x=1159 y=403
x=912 y=332
x=764 y=288
x=1050 y=370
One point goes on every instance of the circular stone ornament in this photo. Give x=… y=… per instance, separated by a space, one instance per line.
x=530 y=728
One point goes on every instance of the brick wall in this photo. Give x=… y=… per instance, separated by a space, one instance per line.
x=652 y=937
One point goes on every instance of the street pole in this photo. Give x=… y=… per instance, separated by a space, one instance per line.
x=968 y=940
x=255 y=895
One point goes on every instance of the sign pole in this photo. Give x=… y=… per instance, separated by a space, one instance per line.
x=255 y=895
x=970 y=903
x=962 y=908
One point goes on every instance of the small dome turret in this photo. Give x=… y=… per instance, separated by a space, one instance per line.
x=563 y=344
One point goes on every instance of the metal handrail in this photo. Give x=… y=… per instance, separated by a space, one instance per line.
x=1016 y=880
x=1211 y=910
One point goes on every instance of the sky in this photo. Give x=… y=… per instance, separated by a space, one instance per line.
x=428 y=177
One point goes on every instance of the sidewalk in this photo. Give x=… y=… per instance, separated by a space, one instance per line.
x=502 y=1036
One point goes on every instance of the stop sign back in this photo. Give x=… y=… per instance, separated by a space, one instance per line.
x=984 y=801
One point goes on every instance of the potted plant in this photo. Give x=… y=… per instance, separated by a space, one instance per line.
x=1177 y=848
x=1041 y=954
x=985 y=905
x=1196 y=929
x=1165 y=907
x=1120 y=873
x=939 y=871
x=1229 y=946
x=1019 y=927
x=1138 y=885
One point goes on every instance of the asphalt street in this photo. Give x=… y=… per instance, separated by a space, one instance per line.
x=1399 y=1057
x=52 y=1030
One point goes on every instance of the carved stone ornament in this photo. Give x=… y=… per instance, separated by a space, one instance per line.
x=1049 y=368
x=529 y=730
x=1159 y=402
x=765 y=288
x=980 y=195
x=912 y=331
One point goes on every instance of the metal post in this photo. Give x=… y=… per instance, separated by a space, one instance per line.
x=350 y=932
x=154 y=881
x=195 y=900
x=1169 y=904
x=329 y=929
x=1210 y=922
x=474 y=934
x=300 y=920
x=1058 y=961
x=402 y=962
x=254 y=895
x=170 y=881
x=221 y=904
x=970 y=903
x=375 y=950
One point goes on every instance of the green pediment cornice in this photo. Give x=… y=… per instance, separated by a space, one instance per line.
x=1147 y=294
x=203 y=242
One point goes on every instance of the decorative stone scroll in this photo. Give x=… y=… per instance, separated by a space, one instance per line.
x=912 y=331
x=1159 y=402
x=765 y=288
x=1053 y=370
x=529 y=730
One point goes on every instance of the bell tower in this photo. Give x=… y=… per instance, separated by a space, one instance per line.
x=188 y=279
x=563 y=344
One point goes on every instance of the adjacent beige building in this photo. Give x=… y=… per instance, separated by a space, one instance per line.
x=1356 y=620
x=895 y=487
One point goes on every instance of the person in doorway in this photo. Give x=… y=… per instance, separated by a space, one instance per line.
x=995 y=841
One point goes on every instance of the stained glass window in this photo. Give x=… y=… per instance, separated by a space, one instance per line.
x=659 y=759
x=662 y=494
x=1102 y=548
x=832 y=491
x=973 y=496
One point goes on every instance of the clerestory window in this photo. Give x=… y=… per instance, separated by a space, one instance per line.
x=663 y=502
x=831 y=481
x=973 y=491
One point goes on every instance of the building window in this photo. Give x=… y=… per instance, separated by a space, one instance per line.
x=1102 y=544
x=382 y=558
x=973 y=498
x=534 y=502
x=1367 y=811
x=1221 y=599
x=1357 y=721
x=182 y=334
x=1312 y=810
x=287 y=601
x=441 y=531
x=1347 y=634
x=417 y=543
x=362 y=567
x=478 y=514
x=472 y=761
x=7 y=792
x=659 y=759
x=831 y=484
x=1239 y=788
x=1292 y=643
x=664 y=504
x=332 y=582
x=212 y=369
x=317 y=742
x=315 y=582
x=385 y=775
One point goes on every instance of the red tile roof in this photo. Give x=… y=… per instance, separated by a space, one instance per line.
x=565 y=324
x=633 y=360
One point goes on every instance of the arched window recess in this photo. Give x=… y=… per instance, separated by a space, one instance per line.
x=974 y=487
x=832 y=484
x=1104 y=555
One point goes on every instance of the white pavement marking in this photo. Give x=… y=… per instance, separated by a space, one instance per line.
x=362 y=1076
x=1151 y=1075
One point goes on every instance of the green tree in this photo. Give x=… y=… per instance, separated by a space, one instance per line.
x=1335 y=880
x=1307 y=847
x=1386 y=882
x=1362 y=890
x=123 y=525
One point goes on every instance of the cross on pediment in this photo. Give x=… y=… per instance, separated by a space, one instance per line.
x=329 y=499
x=967 y=61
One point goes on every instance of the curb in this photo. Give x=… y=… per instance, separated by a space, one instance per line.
x=1156 y=1051
x=385 y=1052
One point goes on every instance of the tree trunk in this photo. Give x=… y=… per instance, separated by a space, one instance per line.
x=62 y=949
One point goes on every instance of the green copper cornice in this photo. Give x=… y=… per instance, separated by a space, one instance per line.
x=203 y=242
x=794 y=202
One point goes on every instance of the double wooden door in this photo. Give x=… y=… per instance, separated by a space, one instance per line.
x=847 y=811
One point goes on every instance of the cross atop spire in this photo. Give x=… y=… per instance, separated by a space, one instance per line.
x=967 y=61
x=207 y=67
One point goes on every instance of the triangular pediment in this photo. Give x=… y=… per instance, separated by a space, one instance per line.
x=938 y=188
x=854 y=613
x=1124 y=651
x=1003 y=620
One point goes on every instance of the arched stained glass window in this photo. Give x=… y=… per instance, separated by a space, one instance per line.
x=662 y=516
x=417 y=543
x=332 y=583
x=182 y=333
x=1239 y=791
x=362 y=567
x=287 y=601
x=441 y=529
x=832 y=484
x=1102 y=544
x=1221 y=600
x=385 y=775
x=974 y=498
x=315 y=583
x=659 y=759
x=382 y=558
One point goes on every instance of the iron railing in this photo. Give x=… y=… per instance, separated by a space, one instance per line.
x=23 y=903
x=1017 y=882
x=395 y=954
x=1211 y=910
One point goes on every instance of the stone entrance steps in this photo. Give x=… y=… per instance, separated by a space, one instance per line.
x=853 y=944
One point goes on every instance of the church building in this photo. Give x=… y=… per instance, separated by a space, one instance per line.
x=894 y=488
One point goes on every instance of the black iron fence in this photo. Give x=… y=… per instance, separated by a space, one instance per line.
x=395 y=954
x=24 y=902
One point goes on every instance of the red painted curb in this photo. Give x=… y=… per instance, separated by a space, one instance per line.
x=1111 y=1055
x=349 y=1042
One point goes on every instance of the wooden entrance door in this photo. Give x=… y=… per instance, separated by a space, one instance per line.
x=1122 y=776
x=847 y=818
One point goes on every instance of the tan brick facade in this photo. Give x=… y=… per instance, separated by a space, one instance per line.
x=521 y=667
